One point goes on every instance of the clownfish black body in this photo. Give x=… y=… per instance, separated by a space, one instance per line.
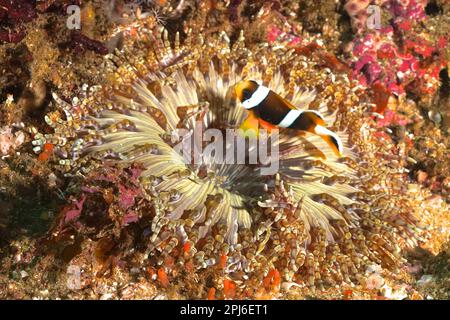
x=269 y=110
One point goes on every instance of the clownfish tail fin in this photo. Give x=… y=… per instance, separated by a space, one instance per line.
x=331 y=138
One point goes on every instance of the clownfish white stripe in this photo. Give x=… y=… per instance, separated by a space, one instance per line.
x=257 y=97
x=289 y=119
x=324 y=131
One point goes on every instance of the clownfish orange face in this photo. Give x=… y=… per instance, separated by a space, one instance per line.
x=270 y=110
x=245 y=89
x=250 y=93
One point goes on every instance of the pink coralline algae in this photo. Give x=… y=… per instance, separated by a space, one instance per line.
x=10 y=141
x=391 y=119
x=130 y=217
x=401 y=10
x=413 y=65
x=73 y=213
x=127 y=196
x=118 y=190
x=357 y=10
x=394 y=56
x=276 y=34
x=407 y=9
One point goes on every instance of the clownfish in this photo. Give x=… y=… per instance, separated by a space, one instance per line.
x=269 y=110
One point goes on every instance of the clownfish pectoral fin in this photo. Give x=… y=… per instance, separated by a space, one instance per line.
x=250 y=126
x=310 y=148
x=267 y=126
x=331 y=138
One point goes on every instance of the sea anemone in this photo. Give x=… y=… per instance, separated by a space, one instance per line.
x=320 y=220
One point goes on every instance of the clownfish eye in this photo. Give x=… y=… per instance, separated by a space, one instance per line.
x=246 y=94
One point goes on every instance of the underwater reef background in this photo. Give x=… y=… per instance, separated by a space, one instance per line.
x=96 y=204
